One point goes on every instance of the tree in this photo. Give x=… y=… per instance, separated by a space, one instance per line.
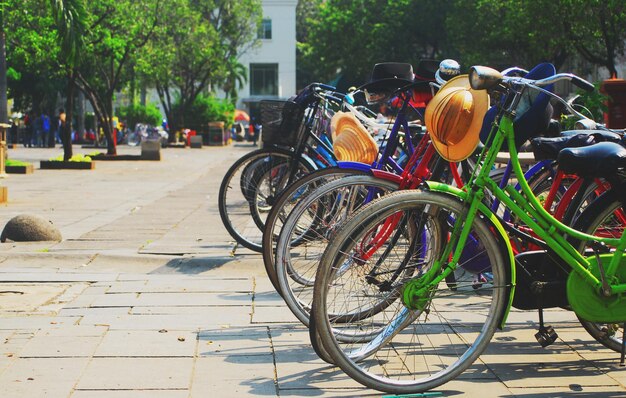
x=504 y=33
x=4 y=111
x=117 y=29
x=193 y=49
x=599 y=31
x=349 y=37
x=236 y=76
x=70 y=18
x=35 y=75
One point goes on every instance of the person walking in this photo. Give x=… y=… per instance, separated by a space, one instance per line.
x=61 y=125
x=28 y=130
x=45 y=130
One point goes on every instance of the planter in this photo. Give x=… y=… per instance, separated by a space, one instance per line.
x=59 y=165
x=115 y=157
x=27 y=169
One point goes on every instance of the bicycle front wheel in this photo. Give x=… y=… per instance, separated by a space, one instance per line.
x=399 y=350
x=249 y=189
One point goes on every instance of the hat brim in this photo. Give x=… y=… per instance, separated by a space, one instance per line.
x=351 y=141
x=388 y=84
x=466 y=146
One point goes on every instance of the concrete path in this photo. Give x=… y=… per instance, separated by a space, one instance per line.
x=143 y=299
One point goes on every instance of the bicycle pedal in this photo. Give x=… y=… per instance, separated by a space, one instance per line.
x=546 y=336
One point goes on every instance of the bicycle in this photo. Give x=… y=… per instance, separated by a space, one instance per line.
x=293 y=147
x=465 y=314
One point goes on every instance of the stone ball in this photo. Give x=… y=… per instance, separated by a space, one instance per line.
x=30 y=228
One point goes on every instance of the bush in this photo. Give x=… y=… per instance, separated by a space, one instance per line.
x=11 y=162
x=76 y=158
x=133 y=114
x=206 y=109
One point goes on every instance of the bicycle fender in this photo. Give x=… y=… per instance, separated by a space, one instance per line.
x=386 y=175
x=355 y=165
x=497 y=227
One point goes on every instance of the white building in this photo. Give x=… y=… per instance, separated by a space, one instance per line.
x=271 y=65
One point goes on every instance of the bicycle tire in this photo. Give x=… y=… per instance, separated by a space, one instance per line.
x=599 y=214
x=373 y=363
x=237 y=211
x=310 y=225
x=283 y=206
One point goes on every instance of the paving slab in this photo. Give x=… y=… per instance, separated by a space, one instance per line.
x=39 y=377
x=140 y=343
x=45 y=346
x=136 y=374
x=234 y=376
x=157 y=305
x=130 y=394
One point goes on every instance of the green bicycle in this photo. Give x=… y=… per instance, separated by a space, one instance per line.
x=450 y=305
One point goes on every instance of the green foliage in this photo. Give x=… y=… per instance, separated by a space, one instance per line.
x=133 y=114
x=591 y=104
x=349 y=37
x=207 y=109
x=11 y=162
x=195 y=47
x=594 y=102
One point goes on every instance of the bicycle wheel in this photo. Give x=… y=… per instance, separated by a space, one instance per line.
x=604 y=216
x=399 y=350
x=242 y=196
x=283 y=206
x=308 y=229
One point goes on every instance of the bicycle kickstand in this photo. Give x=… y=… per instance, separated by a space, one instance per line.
x=546 y=334
x=232 y=252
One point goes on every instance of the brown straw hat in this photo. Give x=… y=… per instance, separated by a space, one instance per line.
x=454 y=118
x=351 y=141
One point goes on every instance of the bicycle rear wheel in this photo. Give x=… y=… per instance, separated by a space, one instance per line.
x=307 y=230
x=248 y=190
x=399 y=350
x=604 y=216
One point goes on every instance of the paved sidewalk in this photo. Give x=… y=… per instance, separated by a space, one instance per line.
x=143 y=299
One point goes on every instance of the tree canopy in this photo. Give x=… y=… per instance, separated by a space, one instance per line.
x=338 y=37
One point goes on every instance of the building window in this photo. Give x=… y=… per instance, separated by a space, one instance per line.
x=264 y=79
x=265 y=30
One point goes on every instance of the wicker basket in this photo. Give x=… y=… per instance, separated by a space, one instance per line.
x=281 y=121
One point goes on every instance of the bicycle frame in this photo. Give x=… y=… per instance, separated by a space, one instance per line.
x=528 y=208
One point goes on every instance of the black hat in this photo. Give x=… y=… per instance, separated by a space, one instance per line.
x=426 y=69
x=387 y=78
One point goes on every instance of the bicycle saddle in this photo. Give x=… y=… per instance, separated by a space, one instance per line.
x=548 y=148
x=598 y=160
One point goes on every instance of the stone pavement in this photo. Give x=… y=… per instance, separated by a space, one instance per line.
x=142 y=299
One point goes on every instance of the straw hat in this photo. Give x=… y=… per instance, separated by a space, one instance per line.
x=454 y=118
x=351 y=141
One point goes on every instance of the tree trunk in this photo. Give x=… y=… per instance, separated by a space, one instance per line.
x=4 y=111
x=80 y=118
x=108 y=127
x=66 y=131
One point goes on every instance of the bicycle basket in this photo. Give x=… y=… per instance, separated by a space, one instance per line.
x=281 y=121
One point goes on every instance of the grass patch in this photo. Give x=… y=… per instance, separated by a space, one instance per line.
x=11 y=162
x=76 y=158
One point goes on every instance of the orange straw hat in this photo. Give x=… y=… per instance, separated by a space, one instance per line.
x=351 y=141
x=454 y=118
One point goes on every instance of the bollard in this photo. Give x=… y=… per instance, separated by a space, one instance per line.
x=150 y=150
x=195 y=141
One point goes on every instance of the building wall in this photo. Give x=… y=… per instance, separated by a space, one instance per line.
x=281 y=49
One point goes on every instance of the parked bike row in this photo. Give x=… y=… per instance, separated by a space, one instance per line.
x=403 y=241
